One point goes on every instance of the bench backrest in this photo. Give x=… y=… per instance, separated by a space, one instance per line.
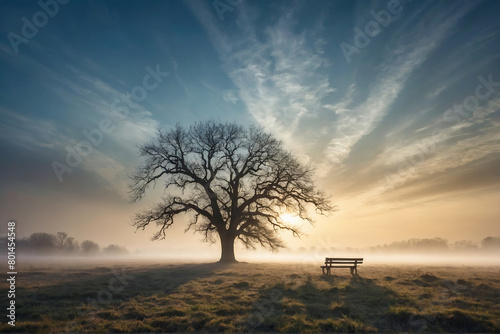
x=338 y=260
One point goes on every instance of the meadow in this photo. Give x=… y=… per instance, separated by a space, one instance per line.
x=131 y=296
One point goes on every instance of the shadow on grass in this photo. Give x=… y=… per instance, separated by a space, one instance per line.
x=308 y=307
x=90 y=294
x=238 y=298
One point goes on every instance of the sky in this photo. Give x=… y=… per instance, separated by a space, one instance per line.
x=396 y=103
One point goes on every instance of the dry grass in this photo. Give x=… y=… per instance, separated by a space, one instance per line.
x=255 y=297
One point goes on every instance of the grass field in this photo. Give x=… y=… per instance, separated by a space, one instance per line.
x=159 y=297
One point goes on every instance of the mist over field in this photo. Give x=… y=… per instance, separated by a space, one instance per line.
x=413 y=251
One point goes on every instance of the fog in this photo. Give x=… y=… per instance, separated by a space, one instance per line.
x=373 y=259
x=44 y=248
x=304 y=258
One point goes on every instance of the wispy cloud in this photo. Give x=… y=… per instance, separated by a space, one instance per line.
x=29 y=133
x=407 y=55
x=227 y=95
x=230 y=96
x=283 y=81
x=280 y=78
x=84 y=95
x=442 y=147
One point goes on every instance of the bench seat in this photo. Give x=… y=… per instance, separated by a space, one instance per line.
x=332 y=262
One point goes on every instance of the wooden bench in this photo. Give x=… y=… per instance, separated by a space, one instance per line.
x=334 y=262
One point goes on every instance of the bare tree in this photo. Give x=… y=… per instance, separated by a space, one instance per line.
x=235 y=181
x=490 y=243
x=43 y=242
x=61 y=237
x=115 y=250
x=71 y=245
x=90 y=247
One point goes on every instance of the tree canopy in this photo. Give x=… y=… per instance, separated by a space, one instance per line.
x=236 y=182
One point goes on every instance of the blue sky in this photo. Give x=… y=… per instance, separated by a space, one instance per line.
x=399 y=116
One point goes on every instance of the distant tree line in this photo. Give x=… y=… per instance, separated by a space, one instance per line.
x=42 y=243
x=436 y=245
x=432 y=245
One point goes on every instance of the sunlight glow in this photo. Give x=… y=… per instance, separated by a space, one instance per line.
x=291 y=219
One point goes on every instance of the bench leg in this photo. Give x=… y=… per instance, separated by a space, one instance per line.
x=329 y=272
x=352 y=270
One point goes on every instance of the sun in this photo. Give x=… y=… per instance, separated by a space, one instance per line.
x=290 y=219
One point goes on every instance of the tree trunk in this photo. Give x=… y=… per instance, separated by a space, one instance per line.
x=227 y=248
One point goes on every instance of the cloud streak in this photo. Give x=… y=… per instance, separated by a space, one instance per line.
x=280 y=77
x=283 y=81
x=84 y=95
